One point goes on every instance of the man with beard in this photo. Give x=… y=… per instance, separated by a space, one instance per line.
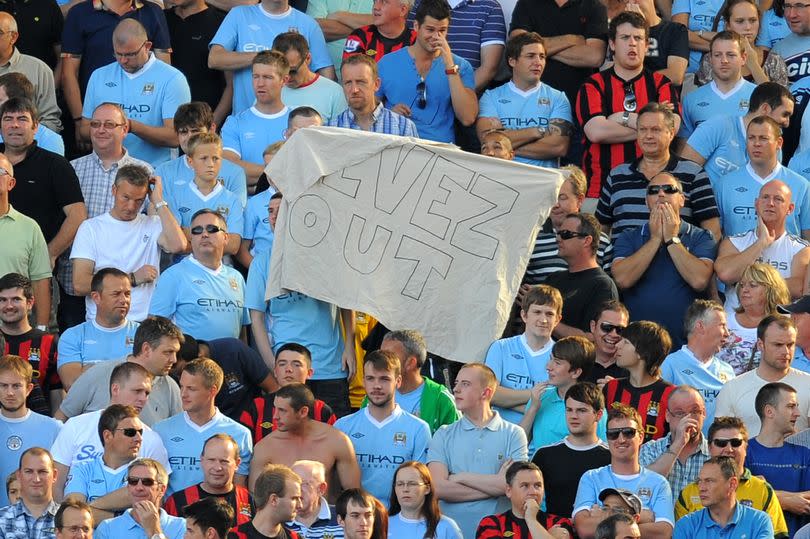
x=382 y=433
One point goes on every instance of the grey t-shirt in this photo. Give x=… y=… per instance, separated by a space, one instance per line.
x=91 y=392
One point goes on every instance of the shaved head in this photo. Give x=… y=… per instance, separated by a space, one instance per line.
x=127 y=30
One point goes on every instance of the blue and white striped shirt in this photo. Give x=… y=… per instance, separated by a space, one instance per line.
x=385 y=121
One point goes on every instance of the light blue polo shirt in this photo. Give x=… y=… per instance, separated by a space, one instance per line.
x=721 y=141
x=772 y=29
x=652 y=489
x=800 y=361
x=184 y=440
x=177 y=173
x=739 y=189
x=708 y=102
x=747 y=522
x=381 y=446
x=683 y=368
x=701 y=17
x=299 y=318
x=94 y=479
x=188 y=200
x=149 y=96
x=250 y=132
x=205 y=303
x=549 y=425
x=89 y=343
x=517 y=109
x=464 y=447
x=257 y=222
x=517 y=366
x=125 y=526
x=19 y=434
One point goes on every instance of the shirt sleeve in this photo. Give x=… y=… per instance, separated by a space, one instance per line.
x=687 y=125
x=228 y=33
x=246 y=453
x=236 y=217
x=561 y=109
x=701 y=197
x=466 y=71
x=486 y=106
x=589 y=102
x=623 y=245
x=257 y=283
x=159 y=31
x=705 y=247
x=683 y=529
x=63 y=447
x=681 y=6
x=522 y=18
x=354 y=44
x=422 y=439
x=164 y=299
x=587 y=493
x=803 y=209
x=437 y=452
x=494 y=360
x=604 y=208
x=39 y=264
x=69 y=347
x=72 y=38
x=230 y=136
x=318 y=49
x=77 y=480
x=80 y=394
x=661 y=503
x=494 y=30
x=518 y=445
x=91 y=100
x=680 y=41
x=177 y=93
x=66 y=188
x=252 y=364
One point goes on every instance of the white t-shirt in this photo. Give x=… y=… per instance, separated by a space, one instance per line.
x=126 y=245
x=737 y=398
x=78 y=441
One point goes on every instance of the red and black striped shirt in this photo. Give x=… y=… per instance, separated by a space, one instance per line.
x=650 y=401
x=508 y=525
x=258 y=417
x=603 y=94
x=39 y=349
x=249 y=531
x=368 y=40
x=238 y=498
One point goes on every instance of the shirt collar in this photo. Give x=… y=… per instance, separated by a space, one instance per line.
x=99 y=5
x=149 y=63
x=495 y=424
x=733 y=521
x=12 y=213
x=374 y=115
x=100 y=163
x=13 y=59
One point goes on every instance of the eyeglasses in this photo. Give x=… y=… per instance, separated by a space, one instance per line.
x=4 y=172
x=668 y=189
x=607 y=328
x=627 y=432
x=211 y=229
x=630 y=102
x=681 y=414
x=145 y=481
x=294 y=70
x=568 y=234
x=795 y=6
x=421 y=94
x=409 y=484
x=108 y=124
x=131 y=432
x=723 y=442
x=130 y=54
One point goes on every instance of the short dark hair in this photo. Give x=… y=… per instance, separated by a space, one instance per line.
x=299 y=394
x=133 y=174
x=152 y=330
x=610 y=305
x=636 y=20
x=16 y=280
x=727 y=422
x=607 y=528
x=728 y=35
x=776 y=129
x=297 y=348
x=517 y=467
x=286 y=41
x=209 y=211
x=211 y=512
x=578 y=351
x=728 y=466
x=126 y=370
x=769 y=93
x=70 y=503
x=112 y=416
x=358 y=496
x=17 y=85
x=588 y=224
x=514 y=46
x=303 y=112
x=769 y=395
x=652 y=343
x=20 y=104
x=436 y=9
x=383 y=360
x=272 y=480
x=587 y=393
x=97 y=282
x=193 y=114
x=779 y=320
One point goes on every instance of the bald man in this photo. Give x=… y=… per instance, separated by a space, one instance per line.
x=315 y=515
x=767 y=242
x=148 y=90
x=37 y=71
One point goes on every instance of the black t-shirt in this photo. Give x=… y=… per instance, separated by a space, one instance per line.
x=244 y=370
x=45 y=184
x=563 y=465
x=597 y=372
x=190 y=38
x=666 y=39
x=40 y=25
x=582 y=292
x=586 y=18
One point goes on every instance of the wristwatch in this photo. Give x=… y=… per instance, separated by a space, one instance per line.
x=158 y=536
x=673 y=241
x=161 y=204
x=132 y=280
x=626 y=118
x=452 y=70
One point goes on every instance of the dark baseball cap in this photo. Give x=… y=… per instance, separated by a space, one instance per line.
x=801 y=305
x=633 y=501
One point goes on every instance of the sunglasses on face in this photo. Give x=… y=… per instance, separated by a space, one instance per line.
x=211 y=229
x=723 y=442
x=145 y=481
x=421 y=94
x=568 y=234
x=627 y=432
x=607 y=328
x=131 y=432
x=668 y=189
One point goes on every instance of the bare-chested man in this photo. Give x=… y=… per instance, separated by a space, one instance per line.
x=298 y=437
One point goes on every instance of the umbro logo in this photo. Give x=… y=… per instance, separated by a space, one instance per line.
x=504 y=101
x=358 y=435
x=741 y=189
x=97 y=481
x=703 y=104
x=517 y=356
x=688 y=372
x=111 y=84
x=198 y=281
x=184 y=209
x=177 y=439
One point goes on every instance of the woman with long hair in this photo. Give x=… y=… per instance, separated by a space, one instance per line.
x=759 y=291
x=414 y=510
x=745 y=18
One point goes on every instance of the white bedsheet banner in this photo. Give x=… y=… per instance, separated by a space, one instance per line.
x=419 y=235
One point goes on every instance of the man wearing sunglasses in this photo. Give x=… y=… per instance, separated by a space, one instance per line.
x=146 y=484
x=607 y=323
x=729 y=438
x=205 y=297
x=666 y=253
x=305 y=88
x=624 y=436
x=104 y=476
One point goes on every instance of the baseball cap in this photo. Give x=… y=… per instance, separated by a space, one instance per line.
x=801 y=305
x=633 y=501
